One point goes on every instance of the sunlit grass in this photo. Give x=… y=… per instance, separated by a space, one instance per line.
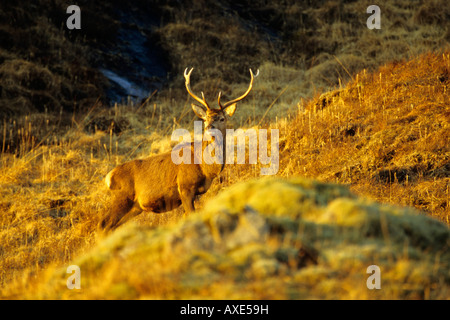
x=385 y=134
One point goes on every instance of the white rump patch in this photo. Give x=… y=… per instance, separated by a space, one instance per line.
x=108 y=178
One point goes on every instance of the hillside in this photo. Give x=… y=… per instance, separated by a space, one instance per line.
x=301 y=47
x=385 y=135
x=268 y=239
x=364 y=125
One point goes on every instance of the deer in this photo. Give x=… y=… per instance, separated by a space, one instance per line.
x=156 y=184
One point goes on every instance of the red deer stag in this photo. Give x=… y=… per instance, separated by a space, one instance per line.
x=156 y=183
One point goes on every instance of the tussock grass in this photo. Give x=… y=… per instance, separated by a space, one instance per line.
x=45 y=67
x=384 y=132
x=310 y=240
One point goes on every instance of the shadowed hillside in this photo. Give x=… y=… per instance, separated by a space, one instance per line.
x=302 y=46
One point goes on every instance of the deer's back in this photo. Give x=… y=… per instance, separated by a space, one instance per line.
x=155 y=172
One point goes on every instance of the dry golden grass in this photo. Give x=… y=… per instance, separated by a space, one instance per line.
x=267 y=238
x=385 y=134
x=45 y=67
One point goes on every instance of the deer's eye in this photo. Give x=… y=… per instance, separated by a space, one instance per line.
x=222 y=119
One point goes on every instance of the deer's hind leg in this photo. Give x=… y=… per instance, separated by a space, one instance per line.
x=187 y=196
x=122 y=209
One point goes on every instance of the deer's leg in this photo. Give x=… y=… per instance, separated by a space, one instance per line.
x=120 y=207
x=134 y=211
x=187 y=196
x=187 y=185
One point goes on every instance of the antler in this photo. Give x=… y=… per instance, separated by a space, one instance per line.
x=229 y=103
x=188 y=87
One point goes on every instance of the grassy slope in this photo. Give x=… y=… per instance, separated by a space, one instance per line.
x=302 y=46
x=393 y=124
x=385 y=135
x=41 y=68
x=268 y=239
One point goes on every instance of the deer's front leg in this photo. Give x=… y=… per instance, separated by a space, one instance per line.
x=187 y=196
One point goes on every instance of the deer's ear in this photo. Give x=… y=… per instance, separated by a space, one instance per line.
x=230 y=110
x=199 y=111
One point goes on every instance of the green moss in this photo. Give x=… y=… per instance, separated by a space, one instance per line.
x=256 y=233
x=278 y=197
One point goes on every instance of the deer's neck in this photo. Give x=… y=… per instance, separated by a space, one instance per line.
x=213 y=163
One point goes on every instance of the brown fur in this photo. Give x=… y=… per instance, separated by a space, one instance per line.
x=157 y=184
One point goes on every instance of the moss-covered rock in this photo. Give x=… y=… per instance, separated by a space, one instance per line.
x=271 y=238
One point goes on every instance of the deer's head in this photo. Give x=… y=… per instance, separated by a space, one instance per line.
x=215 y=118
